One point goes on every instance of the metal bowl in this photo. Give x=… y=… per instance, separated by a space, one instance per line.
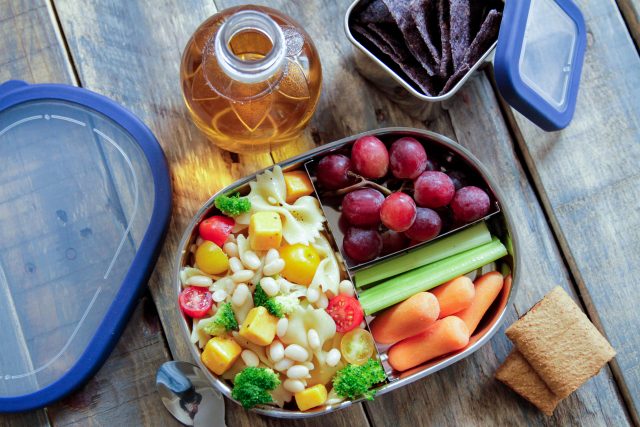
x=501 y=225
x=395 y=86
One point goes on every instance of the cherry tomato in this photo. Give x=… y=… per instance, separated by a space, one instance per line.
x=216 y=229
x=300 y=263
x=195 y=302
x=346 y=312
x=211 y=259
x=357 y=346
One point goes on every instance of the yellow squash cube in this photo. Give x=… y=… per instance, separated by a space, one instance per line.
x=311 y=397
x=259 y=327
x=265 y=231
x=298 y=185
x=220 y=353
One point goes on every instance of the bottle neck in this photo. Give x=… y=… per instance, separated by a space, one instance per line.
x=257 y=66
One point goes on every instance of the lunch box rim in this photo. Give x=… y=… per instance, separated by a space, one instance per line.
x=276 y=412
x=486 y=57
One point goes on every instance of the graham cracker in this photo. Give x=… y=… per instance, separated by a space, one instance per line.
x=560 y=343
x=518 y=375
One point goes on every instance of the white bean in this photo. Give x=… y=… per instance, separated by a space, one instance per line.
x=296 y=352
x=283 y=365
x=251 y=260
x=276 y=351
x=346 y=287
x=314 y=339
x=231 y=249
x=323 y=301
x=219 y=295
x=313 y=295
x=281 y=328
x=298 y=371
x=269 y=286
x=272 y=255
x=333 y=357
x=293 y=386
x=227 y=284
x=235 y=264
x=242 y=276
x=250 y=358
x=285 y=286
x=274 y=267
x=240 y=295
x=200 y=281
x=310 y=366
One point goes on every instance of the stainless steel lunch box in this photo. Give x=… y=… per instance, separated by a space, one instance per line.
x=505 y=229
x=413 y=102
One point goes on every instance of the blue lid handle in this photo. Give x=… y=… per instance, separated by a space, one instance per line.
x=539 y=58
x=11 y=85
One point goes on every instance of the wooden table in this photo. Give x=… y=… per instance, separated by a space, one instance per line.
x=575 y=196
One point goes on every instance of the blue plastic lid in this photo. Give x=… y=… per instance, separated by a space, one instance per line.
x=85 y=201
x=539 y=59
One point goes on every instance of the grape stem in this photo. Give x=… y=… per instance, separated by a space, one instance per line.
x=363 y=182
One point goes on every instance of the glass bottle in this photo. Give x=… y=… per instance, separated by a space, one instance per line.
x=251 y=78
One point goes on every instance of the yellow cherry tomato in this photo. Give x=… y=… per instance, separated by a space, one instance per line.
x=357 y=346
x=211 y=259
x=300 y=263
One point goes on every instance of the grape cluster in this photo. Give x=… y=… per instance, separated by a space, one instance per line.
x=380 y=225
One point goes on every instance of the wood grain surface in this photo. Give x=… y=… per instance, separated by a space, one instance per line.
x=631 y=12
x=130 y=51
x=591 y=168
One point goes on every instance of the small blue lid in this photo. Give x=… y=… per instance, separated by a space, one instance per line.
x=85 y=201
x=539 y=59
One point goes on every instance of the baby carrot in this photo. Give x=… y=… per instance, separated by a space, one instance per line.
x=408 y=318
x=454 y=295
x=487 y=289
x=444 y=336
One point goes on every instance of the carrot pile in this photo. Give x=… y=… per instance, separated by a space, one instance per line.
x=432 y=324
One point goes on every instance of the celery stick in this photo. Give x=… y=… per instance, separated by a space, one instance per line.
x=421 y=279
x=456 y=243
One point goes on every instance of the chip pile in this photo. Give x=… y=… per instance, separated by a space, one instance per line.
x=433 y=42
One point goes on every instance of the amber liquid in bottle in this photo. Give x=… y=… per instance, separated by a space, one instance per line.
x=248 y=86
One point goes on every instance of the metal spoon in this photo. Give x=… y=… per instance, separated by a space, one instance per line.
x=188 y=396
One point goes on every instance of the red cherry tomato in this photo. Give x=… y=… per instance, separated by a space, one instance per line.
x=195 y=302
x=346 y=312
x=216 y=229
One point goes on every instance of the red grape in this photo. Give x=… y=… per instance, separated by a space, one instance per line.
x=433 y=189
x=398 y=212
x=333 y=171
x=370 y=157
x=362 y=245
x=393 y=241
x=362 y=207
x=469 y=204
x=426 y=226
x=407 y=158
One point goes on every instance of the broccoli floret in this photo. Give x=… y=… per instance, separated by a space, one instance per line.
x=233 y=205
x=260 y=298
x=223 y=321
x=251 y=386
x=288 y=303
x=353 y=381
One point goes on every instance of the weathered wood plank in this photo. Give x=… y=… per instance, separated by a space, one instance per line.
x=587 y=177
x=127 y=376
x=631 y=12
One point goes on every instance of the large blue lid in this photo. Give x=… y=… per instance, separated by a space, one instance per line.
x=85 y=201
x=539 y=59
